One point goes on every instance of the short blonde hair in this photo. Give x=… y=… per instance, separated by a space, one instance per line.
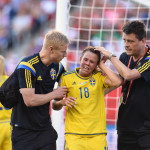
x=2 y=65
x=55 y=38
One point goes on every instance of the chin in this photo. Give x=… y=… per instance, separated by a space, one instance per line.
x=85 y=74
x=128 y=53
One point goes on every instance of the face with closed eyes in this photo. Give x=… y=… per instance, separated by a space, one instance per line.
x=88 y=63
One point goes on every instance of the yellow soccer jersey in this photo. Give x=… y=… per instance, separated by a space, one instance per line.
x=88 y=116
x=5 y=113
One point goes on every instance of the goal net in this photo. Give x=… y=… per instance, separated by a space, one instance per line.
x=99 y=23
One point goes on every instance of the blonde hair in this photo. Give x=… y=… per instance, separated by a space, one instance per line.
x=2 y=66
x=55 y=39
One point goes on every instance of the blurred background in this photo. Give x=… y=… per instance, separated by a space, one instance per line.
x=23 y=24
x=90 y=22
x=22 y=27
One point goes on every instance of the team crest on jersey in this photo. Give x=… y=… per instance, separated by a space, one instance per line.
x=92 y=81
x=53 y=73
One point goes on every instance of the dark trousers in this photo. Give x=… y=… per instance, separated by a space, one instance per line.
x=133 y=141
x=23 y=139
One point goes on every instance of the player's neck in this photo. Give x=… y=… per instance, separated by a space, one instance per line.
x=44 y=58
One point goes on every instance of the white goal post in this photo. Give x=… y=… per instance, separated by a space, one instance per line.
x=61 y=25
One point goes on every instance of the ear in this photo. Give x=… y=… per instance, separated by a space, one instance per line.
x=51 y=48
x=144 y=41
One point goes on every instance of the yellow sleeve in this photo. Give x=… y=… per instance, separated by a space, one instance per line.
x=5 y=113
x=103 y=77
x=62 y=81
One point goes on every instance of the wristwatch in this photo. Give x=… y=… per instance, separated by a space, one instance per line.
x=111 y=55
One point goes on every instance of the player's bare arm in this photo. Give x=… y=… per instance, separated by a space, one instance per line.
x=32 y=99
x=125 y=72
x=112 y=79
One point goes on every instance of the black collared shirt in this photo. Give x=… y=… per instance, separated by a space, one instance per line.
x=134 y=116
x=32 y=73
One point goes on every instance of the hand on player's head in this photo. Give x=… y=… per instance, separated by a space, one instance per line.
x=103 y=51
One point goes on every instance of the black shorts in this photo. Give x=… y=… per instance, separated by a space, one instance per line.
x=134 y=141
x=23 y=139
